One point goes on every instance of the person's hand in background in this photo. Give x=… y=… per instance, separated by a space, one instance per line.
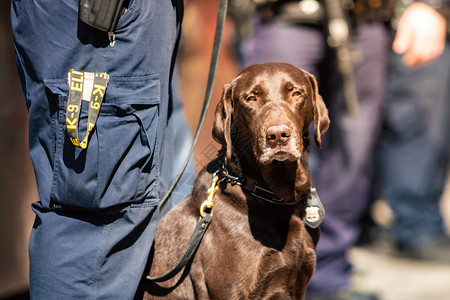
x=421 y=35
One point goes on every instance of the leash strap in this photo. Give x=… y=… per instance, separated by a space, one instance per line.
x=197 y=235
x=86 y=86
x=221 y=15
x=193 y=244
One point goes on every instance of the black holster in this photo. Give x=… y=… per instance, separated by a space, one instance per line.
x=101 y=14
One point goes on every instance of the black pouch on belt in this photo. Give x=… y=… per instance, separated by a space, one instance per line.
x=101 y=14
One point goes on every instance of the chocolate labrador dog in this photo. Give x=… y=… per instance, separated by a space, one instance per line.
x=257 y=246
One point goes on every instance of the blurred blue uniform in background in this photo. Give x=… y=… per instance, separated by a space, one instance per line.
x=415 y=146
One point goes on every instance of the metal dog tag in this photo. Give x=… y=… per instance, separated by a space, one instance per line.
x=314 y=213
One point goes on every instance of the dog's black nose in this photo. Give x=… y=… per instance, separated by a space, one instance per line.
x=278 y=134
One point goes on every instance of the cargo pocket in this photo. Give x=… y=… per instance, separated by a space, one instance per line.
x=115 y=168
x=405 y=119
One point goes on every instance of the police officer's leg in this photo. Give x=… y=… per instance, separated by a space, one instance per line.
x=297 y=44
x=90 y=255
x=343 y=177
x=97 y=211
x=177 y=143
x=415 y=150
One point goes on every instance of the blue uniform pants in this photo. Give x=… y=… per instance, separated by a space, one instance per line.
x=97 y=208
x=414 y=151
x=342 y=168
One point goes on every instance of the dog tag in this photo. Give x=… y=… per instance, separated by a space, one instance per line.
x=314 y=213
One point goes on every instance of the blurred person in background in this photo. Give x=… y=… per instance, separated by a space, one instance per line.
x=415 y=145
x=299 y=32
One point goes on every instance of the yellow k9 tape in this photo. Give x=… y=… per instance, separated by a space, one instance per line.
x=87 y=86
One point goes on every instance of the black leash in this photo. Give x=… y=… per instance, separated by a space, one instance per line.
x=197 y=235
x=221 y=14
x=194 y=242
x=206 y=209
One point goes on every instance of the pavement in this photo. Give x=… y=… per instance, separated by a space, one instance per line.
x=377 y=269
x=396 y=278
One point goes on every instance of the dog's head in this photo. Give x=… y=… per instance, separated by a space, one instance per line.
x=267 y=109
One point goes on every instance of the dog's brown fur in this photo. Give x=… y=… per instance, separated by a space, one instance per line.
x=253 y=249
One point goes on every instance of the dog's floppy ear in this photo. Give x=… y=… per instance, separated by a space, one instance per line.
x=222 y=120
x=321 y=120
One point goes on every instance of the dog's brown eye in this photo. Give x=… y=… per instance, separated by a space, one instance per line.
x=296 y=93
x=251 y=98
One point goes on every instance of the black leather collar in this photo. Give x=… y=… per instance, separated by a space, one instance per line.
x=251 y=186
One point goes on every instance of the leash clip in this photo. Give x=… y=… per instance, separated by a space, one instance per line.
x=209 y=202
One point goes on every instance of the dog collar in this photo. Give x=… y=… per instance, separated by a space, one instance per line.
x=251 y=186
x=313 y=213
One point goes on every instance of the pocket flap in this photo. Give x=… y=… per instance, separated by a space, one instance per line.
x=121 y=89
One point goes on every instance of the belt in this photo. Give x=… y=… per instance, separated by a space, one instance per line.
x=311 y=11
x=303 y=11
